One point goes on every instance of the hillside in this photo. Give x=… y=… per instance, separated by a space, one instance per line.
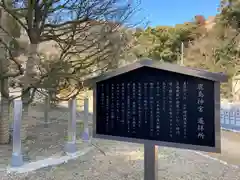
x=210 y=22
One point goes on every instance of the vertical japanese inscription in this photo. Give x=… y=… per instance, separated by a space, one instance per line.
x=117 y=104
x=129 y=114
x=170 y=108
x=112 y=108
x=177 y=108
x=184 y=108
x=200 y=110
x=164 y=96
x=139 y=85
x=134 y=108
x=151 y=111
x=107 y=107
x=158 y=109
x=123 y=105
x=145 y=102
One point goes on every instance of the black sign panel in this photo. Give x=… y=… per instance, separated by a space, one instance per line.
x=153 y=104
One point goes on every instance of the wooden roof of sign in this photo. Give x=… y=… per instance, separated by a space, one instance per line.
x=218 y=77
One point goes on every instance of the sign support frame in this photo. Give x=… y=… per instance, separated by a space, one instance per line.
x=217 y=121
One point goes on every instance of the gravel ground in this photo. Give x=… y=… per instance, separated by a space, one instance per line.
x=230 y=148
x=124 y=161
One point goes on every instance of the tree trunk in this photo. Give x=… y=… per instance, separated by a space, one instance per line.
x=25 y=118
x=29 y=79
x=4 y=123
x=4 y=64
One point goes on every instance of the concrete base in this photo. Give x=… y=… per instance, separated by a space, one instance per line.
x=17 y=160
x=70 y=147
x=85 y=136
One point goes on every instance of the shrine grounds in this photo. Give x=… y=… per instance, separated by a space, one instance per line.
x=124 y=161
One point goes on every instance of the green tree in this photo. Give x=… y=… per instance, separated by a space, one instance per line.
x=230 y=13
x=167 y=40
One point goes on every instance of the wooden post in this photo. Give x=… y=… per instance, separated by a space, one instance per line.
x=150 y=162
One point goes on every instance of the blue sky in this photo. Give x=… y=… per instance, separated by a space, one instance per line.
x=171 y=12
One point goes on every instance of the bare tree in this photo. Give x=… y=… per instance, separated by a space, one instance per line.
x=86 y=34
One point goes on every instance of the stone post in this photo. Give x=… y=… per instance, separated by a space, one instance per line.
x=17 y=159
x=70 y=146
x=85 y=134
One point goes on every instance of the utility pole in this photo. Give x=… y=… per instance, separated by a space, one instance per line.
x=182 y=47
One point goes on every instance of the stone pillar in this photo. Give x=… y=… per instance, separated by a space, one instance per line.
x=70 y=146
x=17 y=159
x=85 y=134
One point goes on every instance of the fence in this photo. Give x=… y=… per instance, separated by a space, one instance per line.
x=55 y=130
x=230 y=115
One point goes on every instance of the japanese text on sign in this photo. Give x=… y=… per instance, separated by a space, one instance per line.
x=200 y=109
